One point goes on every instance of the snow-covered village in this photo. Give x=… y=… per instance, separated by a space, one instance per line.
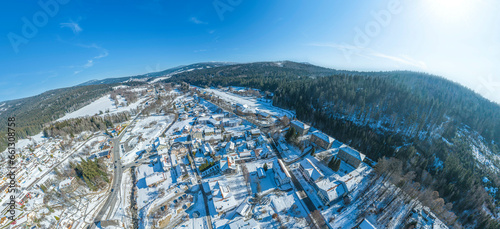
x=190 y=157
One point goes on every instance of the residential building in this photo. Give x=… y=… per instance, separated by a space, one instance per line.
x=310 y=172
x=300 y=127
x=365 y=224
x=330 y=190
x=223 y=200
x=228 y=165
x=322 y=140
x=242 y=224
x=215 y=169
x=350 y=156
x=281 y=174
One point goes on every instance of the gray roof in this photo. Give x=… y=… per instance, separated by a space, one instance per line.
x=323 y=136
x=353 y=152
x=300 y=124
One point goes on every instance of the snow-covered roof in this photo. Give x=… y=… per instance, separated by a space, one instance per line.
x=353 y=152
x=323 y=136
x=154 y=178
x=213 y=137
x=227 y=163
x=333 y=188
x=365 y=224
x=313 y=171
x=261 y=172
x=241 y=223
x=246 y=153
x=280 y=167
x=204 y=118
x=222 y=198
x=242 y=209
x=215 y=116
x=254 y=131
x=300 y=124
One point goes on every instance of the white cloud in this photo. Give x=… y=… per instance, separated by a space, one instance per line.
x=102 y=53
x=73 y=26
x=197 y=21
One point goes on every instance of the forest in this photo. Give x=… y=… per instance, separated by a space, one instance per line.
x=382 y=114
x=92 y=172
x=74 y=126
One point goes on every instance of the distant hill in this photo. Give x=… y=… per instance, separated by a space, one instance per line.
x=153 y=75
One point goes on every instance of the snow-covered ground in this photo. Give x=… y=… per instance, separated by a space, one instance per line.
x=104 y=104
x=251 y=103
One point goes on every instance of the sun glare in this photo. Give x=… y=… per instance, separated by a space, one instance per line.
x=451 y=10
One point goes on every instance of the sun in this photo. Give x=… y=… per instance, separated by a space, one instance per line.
x=451 y=10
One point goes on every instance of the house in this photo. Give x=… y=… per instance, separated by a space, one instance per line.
x=214 y=169
x=310 y=172
x=242 y=224
x=228 y=165
x=281 y=174
x=243 y=209
x=322 y=140
x=154 y=179
x=209 y=131
x=230 y=147
x=365 y=224
x=203 y=120
x=300 y=127
x=261 y=173
x=231 y=122
x=213 y=138
x=257 y=152
x=207 y=149
x=246 y=155
x=222 y=198
x=255 y=132
x=164 y=159
x=196 y=134
x=330 y=190
x=350 y=156
x=262 y=115
x=218 y=117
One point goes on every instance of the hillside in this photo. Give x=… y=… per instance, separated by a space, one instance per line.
x=33 y=112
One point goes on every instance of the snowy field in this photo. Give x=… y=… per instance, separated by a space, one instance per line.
x=251 y=103
x=103 y=104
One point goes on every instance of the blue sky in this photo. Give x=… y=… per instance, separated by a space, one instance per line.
x=75 y=41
